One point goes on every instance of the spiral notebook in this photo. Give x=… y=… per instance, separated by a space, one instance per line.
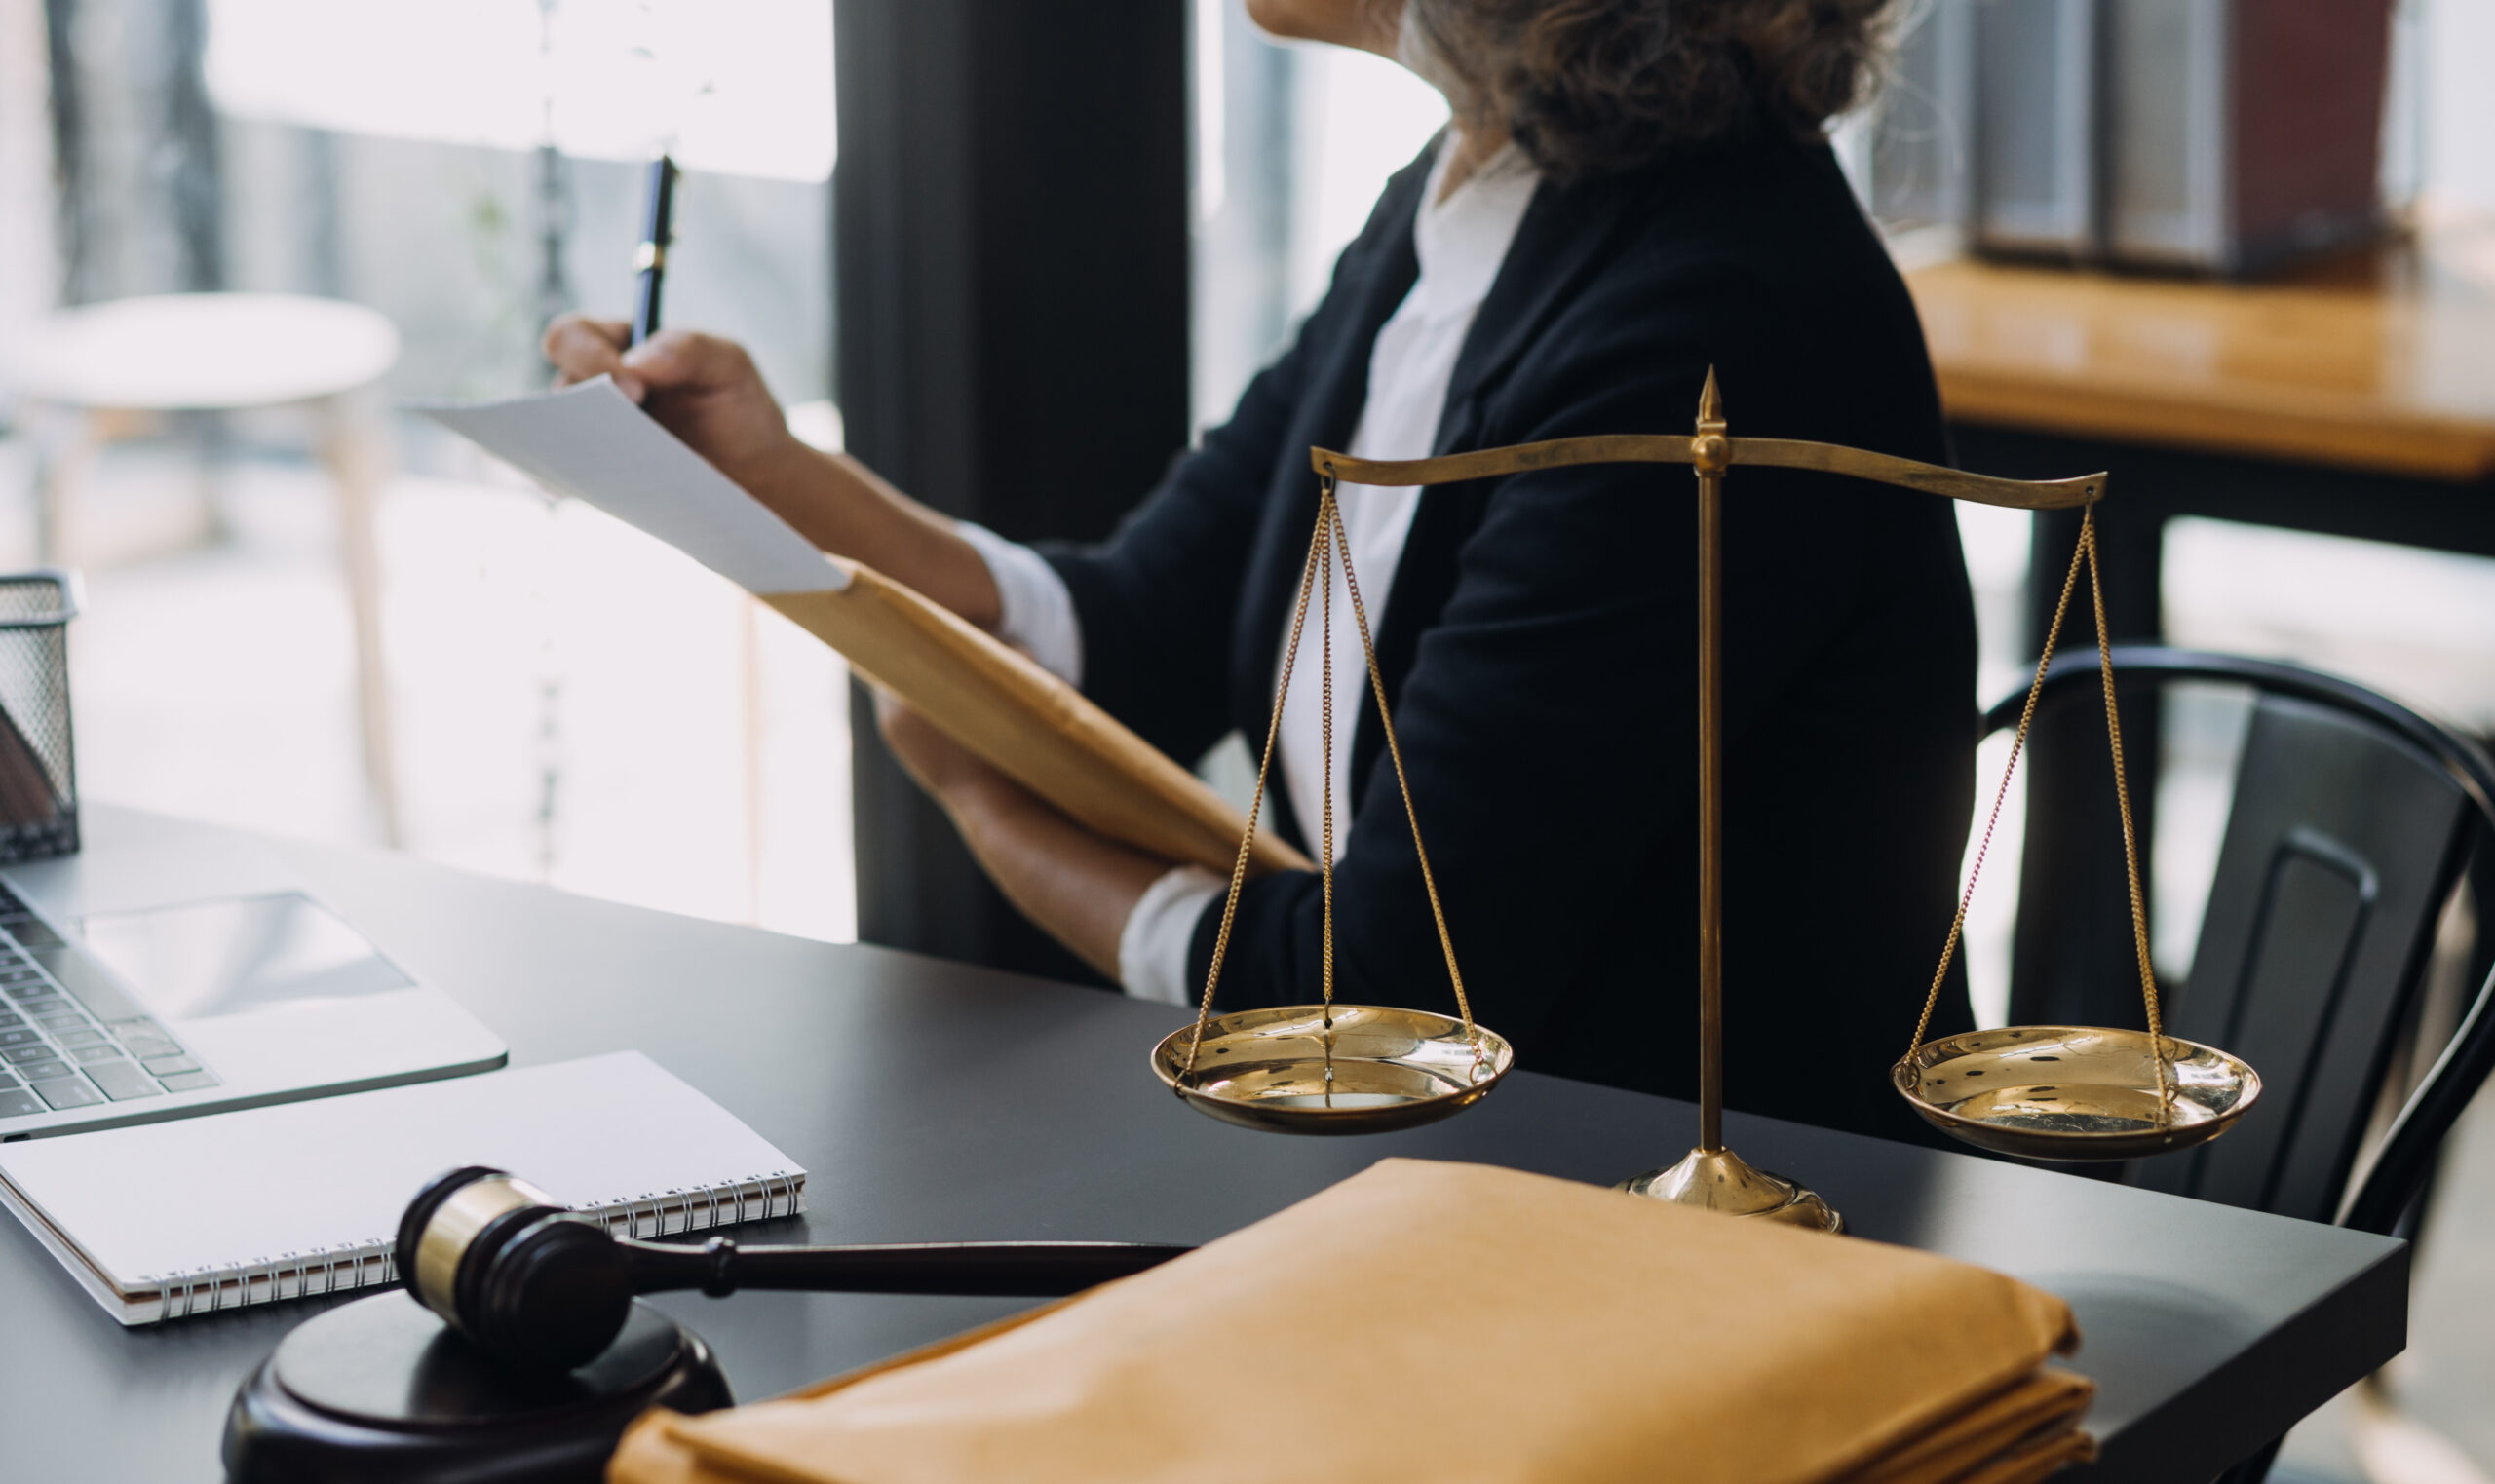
x=169 y=1220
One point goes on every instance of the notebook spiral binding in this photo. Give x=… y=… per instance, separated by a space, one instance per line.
x=373 y=1265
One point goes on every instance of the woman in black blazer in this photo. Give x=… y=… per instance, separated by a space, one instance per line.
x=1538 y=631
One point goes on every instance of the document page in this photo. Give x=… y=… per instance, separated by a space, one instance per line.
x=589 y=441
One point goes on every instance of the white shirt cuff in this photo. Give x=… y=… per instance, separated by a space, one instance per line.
x=1036 y=613
x=1152 y=947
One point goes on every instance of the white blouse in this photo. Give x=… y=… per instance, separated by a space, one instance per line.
x=1460 y=243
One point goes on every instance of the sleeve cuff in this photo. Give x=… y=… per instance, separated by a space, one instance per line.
x=1037 y=613
x=1153 y=947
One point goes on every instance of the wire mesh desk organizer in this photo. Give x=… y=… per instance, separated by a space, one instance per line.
x=2052 y=1092
x=38 y=763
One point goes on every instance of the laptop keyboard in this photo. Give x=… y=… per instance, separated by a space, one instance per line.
x=58 y=1052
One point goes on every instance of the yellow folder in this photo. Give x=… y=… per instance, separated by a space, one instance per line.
x=1462 y=1325
x=1028 y=723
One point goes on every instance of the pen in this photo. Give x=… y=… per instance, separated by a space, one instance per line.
x=649 y=263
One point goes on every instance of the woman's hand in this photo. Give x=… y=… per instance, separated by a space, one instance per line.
x=1077 y=885
x=704 y=390
x=943 y=767
x=707 y=391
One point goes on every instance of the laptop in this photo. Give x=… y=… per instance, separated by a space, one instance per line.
x=188 y=976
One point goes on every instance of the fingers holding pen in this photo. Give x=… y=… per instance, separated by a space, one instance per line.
x=688 y=361
x=581 y=348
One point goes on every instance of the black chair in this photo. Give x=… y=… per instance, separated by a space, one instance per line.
x=2353 y=819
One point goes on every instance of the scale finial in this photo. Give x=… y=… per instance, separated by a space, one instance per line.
x=1710 y=402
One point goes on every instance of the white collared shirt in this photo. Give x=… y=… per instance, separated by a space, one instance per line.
x=1460 y=243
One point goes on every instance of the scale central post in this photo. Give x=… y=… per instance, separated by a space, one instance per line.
x=1709 y=459
x=1710 y=1175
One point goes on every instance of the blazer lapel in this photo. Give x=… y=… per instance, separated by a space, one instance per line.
x=1567 y=234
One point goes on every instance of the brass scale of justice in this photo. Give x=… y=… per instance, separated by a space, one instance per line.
x=2046 y=1092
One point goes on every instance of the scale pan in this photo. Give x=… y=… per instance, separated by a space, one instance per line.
x=2072 y=1092
x=1267 y=1069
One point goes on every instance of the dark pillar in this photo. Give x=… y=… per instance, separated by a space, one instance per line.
x=71 y=186
x=1011 y=226
x=188 y=147
x=157 y=159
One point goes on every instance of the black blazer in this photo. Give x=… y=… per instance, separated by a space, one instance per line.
x=1538 y=642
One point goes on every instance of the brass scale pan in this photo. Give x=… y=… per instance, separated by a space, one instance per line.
x=2049 y=1092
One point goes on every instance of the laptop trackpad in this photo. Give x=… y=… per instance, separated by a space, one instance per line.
x=214 y=958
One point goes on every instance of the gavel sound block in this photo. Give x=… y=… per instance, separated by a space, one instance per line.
x=526 y=1353
x=380 y=1391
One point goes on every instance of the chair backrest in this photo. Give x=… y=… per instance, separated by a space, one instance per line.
x=2342 y=844
x=2351 y=820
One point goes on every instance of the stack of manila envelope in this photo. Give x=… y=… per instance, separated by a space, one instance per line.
x=1461 y=1324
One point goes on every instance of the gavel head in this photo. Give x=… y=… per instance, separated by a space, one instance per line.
x=526 y=1281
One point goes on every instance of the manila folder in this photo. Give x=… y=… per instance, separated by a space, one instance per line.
x=1459 y=1324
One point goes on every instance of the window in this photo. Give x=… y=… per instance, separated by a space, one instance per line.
x=570 y=701
x=1292 y=145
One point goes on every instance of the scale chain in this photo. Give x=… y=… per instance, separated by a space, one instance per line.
x=2131 y=843
x=1326 y=723
x=1395 y=751
x=1257 y=803
x=2018 y=745
x=2086 y=554
x=1330 y=537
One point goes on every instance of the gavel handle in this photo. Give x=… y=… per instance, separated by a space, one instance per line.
x=1018 y=1269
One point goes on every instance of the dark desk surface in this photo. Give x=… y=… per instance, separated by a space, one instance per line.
x=930 y=1100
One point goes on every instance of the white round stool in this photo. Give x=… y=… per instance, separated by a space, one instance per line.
x=227 y=352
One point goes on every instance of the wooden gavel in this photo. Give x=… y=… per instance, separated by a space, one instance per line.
x=544 y=1288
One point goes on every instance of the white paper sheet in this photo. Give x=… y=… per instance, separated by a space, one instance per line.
x=589 y=441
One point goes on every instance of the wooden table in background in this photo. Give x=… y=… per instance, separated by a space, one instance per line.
x=2373 y=364
x=2354 y=397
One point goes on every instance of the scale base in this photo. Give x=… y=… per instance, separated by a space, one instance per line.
x=1722 y=1181
x=379 y=1392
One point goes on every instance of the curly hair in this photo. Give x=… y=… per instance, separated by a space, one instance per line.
x=1590 y=86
